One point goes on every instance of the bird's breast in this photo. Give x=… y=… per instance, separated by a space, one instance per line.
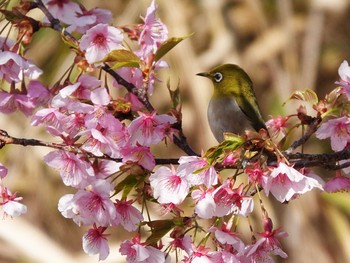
x=224 y=115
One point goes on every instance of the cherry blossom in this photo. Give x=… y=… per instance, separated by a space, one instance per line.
x=3 y=171
x=199 y=254
x=86 y=19
x=205 y=206
x=338 y=130
x=127 y=215
x=137 y=252
x=95 y=242
x=149 y=129
x=10 y=203
x=25 y=101
x=337 y=183
x=232 y=200
x=344 y=73
x=63 y=10
x=224 y=236
x=99 y=40
x=153 y=31
x=191 y=164
x=285 y=183
x=13 y=67
x=73 y=169
x=169 y=186
x=90 y=205
x=139 y=154
x=278 y=125
x=268 y=244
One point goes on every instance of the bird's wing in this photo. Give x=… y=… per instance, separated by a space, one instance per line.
x=251 y=111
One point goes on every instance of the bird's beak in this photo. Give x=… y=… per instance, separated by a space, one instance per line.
x=204 y=74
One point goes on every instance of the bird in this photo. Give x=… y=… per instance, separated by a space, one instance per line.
x=233 y=107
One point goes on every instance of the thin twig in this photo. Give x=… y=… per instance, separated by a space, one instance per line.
x=312 y=128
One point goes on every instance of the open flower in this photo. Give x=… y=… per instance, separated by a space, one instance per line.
x=99 y=41
x=336 y=129
x=285 y=183
x=169 y=186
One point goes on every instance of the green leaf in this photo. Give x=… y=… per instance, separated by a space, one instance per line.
x=168 y=45
x=126 y=185
x=122 y=58
x=307 y=95
x=13 y=16
x=159 y=229
x=232 y=142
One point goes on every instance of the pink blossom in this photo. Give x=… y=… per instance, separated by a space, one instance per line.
x=10 y=203
x=224 y=257
x=53 y=119
x=10 y=102
x=344 y=73
x=82 y=88
x=278 y=125
x=285 y=183
x=190 y=165
x=108 y=137
x=140 y=155
x=336 y=129
x=153 y=31
x=25 y=101
x=337 y=184
x=134 y=76
x=95 y=242
x=105 y=168
x=169 y=186
x=13 y=67
x=268 y=244
x=127 y=215
x=256 y=174
x=231 y=200
x=183 y=242
x=38 y=93
x=224 y=236
x=86 y=19
x=100 y=40
x=63 y=10
x=73 y=169
x=199 y=254
x=137 y=252
x=205 y=206
x=149 y=129
x=91 y=205
x=3 y=171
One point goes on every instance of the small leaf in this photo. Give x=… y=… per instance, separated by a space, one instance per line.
x=123 y=58
x=167 y=45
x=13 y=16
x=232 y=142
x=126 y=185
x=307 y=95
x=159 y=229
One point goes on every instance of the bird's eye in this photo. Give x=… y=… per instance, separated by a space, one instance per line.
x=217 y=77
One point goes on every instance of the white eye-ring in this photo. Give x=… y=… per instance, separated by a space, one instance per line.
x=218 y=77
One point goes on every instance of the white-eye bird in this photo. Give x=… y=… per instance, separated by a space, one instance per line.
x=233 y=107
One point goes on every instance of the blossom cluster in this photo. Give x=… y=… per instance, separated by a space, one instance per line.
x=104 y=149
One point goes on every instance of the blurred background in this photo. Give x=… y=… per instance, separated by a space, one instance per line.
x=283 y=45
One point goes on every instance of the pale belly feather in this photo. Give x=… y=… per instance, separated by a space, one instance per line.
x=227 y=117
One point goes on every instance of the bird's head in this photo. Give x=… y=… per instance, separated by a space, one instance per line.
x=228 y=79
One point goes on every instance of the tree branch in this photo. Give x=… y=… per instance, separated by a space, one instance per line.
x=326 y=160
x=312 y=128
